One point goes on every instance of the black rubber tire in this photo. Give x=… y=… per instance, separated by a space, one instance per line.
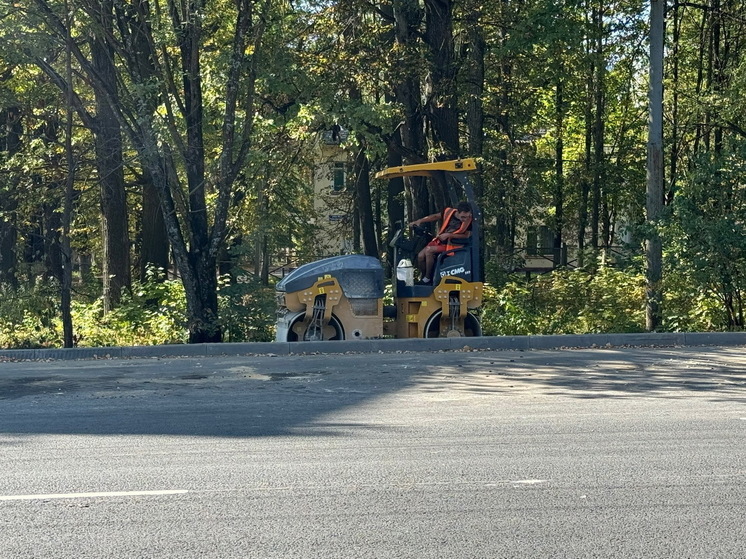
x=339 y=330
x=472 y=326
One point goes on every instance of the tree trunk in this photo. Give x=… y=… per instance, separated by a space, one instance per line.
x=476 y=48
x=703 y=82
x=266 y=260
x=504 y=239
x=108 y=141
x=598 y=127
x=51 y=230
x=408 y=19
x=8 y=238
x=67 y=206
x=674 y=152
x=357 y=245
x=559 y=175
x=585 y=181
x=394 y=205
x=154 y=247
x=202 y=301
x=441 y=91
x=204 y=326
x=363 y=201
x=10 y=142
x=719 y=60
x=261 y=264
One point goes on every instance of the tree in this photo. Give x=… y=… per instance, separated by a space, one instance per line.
x=440 y=90
x=168 y=121
x=106 y=130
x=705 y=79
x=10 y=135
x=109 y=160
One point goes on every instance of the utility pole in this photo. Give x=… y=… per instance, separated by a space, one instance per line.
x=67 y=208
x=654 y=205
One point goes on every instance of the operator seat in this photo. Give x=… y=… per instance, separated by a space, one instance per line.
x=455 y=262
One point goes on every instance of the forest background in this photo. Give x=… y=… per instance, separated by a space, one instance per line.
x=156 y=157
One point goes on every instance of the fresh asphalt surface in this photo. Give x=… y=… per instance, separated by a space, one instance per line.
x=596 y=452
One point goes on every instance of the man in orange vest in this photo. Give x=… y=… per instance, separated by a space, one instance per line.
x=455 y=224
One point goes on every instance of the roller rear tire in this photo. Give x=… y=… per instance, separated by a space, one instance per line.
x=472 y=327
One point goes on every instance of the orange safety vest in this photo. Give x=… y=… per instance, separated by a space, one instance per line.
x=447 y=215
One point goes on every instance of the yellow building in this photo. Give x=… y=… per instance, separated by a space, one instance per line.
x=332 y=202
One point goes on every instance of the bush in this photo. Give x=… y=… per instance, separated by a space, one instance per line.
x=247 y=310
x=688 y=307
x=28 y=316
x=563 y=302
x=153 y=314
x=567 y=302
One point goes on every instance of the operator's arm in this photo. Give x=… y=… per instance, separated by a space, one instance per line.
x=427 y=219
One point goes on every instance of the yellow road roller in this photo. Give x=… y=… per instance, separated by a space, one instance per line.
x=341 y=297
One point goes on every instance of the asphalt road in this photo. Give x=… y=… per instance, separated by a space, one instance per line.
x=574 y=453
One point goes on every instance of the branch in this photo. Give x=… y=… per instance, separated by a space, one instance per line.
x=703 y=7
x=88 y=119
x=735 y=128
x=94 y=80
x=230 y=165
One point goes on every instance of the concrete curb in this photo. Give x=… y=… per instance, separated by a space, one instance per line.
x=384 y=346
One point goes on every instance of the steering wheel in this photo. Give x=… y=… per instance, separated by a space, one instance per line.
x=422 y=232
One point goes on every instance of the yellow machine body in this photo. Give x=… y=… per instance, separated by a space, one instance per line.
x=443 y=313
x=359 y=318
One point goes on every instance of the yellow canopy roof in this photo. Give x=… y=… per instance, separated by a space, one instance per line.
x=427 y=169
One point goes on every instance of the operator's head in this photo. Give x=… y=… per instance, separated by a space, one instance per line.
x=463 y=211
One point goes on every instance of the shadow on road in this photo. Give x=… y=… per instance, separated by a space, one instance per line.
x=259 y=396
x=719 y=373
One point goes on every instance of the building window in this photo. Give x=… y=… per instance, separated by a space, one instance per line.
x=339 y=177
x=540 y=240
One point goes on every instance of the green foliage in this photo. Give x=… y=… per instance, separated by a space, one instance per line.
x=549 y=69
x=567 y=302
x=247 y=310
x=687 y=306
x=153 y=314
x=706 y=249
x=28 y=317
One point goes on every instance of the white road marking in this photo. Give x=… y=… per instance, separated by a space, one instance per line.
x=516 y=482
x=91 y=495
